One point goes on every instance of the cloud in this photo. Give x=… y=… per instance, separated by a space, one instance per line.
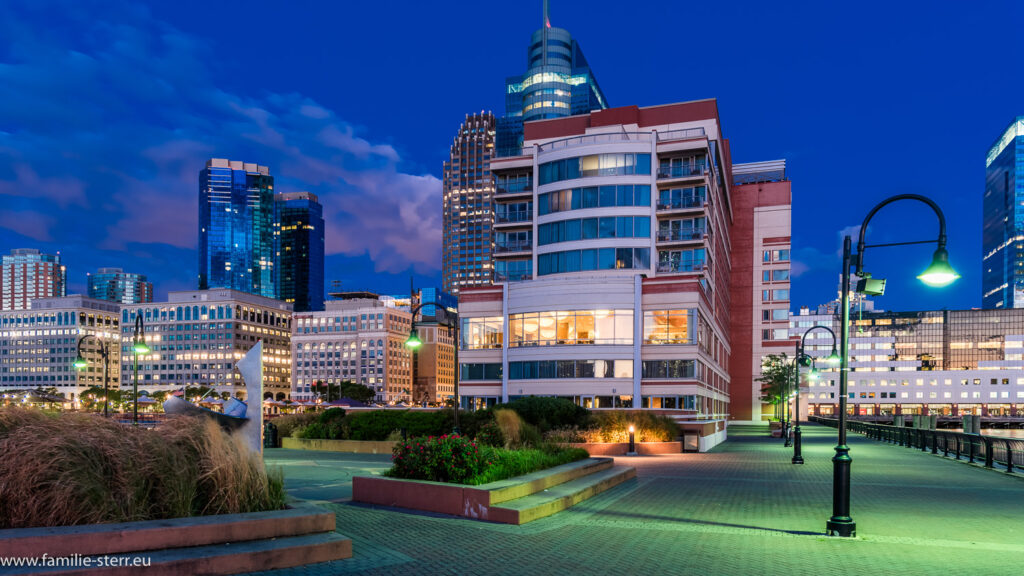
x=107 y=115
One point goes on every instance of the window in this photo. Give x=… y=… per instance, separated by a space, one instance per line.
x=594 y=197
x=571 y=327
x=595 y=165
x=676 y=198
x=682 y=260
x=663 y=369
x=593 y=259
x=490 y=371
x=484 y=332
x=775 y=256
x=556 y=369
x=774 y=275
x=591 y=228
x=670 y=326
x=776 y=315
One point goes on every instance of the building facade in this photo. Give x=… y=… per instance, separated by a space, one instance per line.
x=467 y=204
x=946 y=362
x=116 y=285
x=28 y=274
x=196 y=338
x=616 y=267
x=759 y=284
x=237 y=240
x=300 y=220
x=1002 y=235
x=39 y=346
x=358 y=339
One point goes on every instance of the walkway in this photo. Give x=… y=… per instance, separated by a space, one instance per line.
x=742 y=509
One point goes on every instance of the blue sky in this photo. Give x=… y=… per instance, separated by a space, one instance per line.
x=108 y=110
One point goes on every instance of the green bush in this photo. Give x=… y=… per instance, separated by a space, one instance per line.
x=444 y=458
x=490 y=435
x=379 y=424
x=613 y=426
x=547 y=413
x=511 y=463
x=289 y=424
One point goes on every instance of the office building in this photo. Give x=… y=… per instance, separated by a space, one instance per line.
x=196 y=337
x=1002 y=235
x=38 y=346
x=29 y=274
x=759 y=283
x=946 y=362
x=301 y=250
x=116 y=285
x=358 y=338
x=237 y=243
x=467 y=204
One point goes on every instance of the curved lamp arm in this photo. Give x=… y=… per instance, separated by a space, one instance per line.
x=103 y=346
x=864 y=225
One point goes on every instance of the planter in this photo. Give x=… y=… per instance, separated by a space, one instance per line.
x=620 y=448
x=353 y=446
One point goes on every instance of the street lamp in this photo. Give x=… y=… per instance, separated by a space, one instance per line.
x=81 y=364
x=938 y=274
x=138 y=347
x=804 y=359
x=413 y=342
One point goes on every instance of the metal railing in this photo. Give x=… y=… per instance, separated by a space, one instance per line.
x=680 y=267
x=681 y=171
x=516 y=277
x=680 y=134
x=513 y=246
x=512 y=217
x=513 y=187
x=682 y=235
x=987 y=450
x=597 y=139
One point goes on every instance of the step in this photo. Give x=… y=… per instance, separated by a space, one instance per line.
x=560 y=497
x=241 y=557
x=521 y=486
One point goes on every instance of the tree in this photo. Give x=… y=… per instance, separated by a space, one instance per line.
x=357 y=392
x=776 y=378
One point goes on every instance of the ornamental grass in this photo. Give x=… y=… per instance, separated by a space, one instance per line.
x=68 y=468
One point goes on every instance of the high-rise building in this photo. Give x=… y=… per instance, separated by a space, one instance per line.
x=301 y=244
x=196 y=337
x=759 y=284
x=38 y=347
x=468 y=211
x=1002 y=234
x=29 y=274
x=116 y=285
x=558 y=82
x=236 y=228
x=360 y=339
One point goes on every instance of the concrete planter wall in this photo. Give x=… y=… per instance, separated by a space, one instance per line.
x=620 y=448
x=354 y=446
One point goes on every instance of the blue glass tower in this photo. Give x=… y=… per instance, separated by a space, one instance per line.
x=1002 y=240
x=116 y=285
x=236 y=228
x=558 y=82
x=301 y=257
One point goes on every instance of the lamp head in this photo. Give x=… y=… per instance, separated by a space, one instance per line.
x=413 y=341
x=813 y=374
x=833 y=358
x=939 y=273
x=80 y=363
x=631 y=429
x=140 y=347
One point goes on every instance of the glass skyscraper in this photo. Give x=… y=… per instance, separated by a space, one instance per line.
x=301 y=257
x=116 y=285
x=236 y=228
x=558 y=82
x=1002 y=240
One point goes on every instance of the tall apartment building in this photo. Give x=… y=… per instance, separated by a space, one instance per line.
x=237 y=243
x=29 y=274
x=360 y=339
x=759 y=283
x=38 y=346
x=946 y=362
x=1002 y=235
x=622 y=255
x=196 y=337
x=300 y=220
x=468 y=211
x=116 y=285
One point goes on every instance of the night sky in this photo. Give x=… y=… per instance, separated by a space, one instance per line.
x=108 y=111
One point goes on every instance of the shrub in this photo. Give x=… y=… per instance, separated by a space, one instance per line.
x=510 y=424
x=547 y=413
x=379 y=424
x=510 y=463
x=565 y=435
x=289 y=424
x=66 y=469
x=613 y=426
x=490 y=435
x=447 y=458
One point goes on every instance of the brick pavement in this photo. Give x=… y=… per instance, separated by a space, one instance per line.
x=741 y=509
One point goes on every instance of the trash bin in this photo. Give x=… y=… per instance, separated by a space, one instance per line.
x=269 y=435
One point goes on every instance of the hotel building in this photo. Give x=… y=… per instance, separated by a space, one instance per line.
x=28 y=274
x=39 y=346
x=360 y=339
x=614 y=265
x=946 y=362
x=196 y=338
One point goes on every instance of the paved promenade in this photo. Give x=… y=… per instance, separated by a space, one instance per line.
x=742 y=509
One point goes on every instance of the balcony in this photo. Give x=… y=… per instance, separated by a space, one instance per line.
x=681 y=171
x=514 y=217
x=693 y=235
x=513 y=246
x=597 y=139
x=512 y=277
x=509 y=187
x=680 y=267
x=681 y=204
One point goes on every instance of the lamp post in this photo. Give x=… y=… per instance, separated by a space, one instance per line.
x=138 y=347
x=413 y=342
x=938 y=274
x=80 y=364
x=806 y=360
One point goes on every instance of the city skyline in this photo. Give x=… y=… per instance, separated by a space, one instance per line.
x=376 y=165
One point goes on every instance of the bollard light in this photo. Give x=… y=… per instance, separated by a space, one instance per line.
x=632 y=442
